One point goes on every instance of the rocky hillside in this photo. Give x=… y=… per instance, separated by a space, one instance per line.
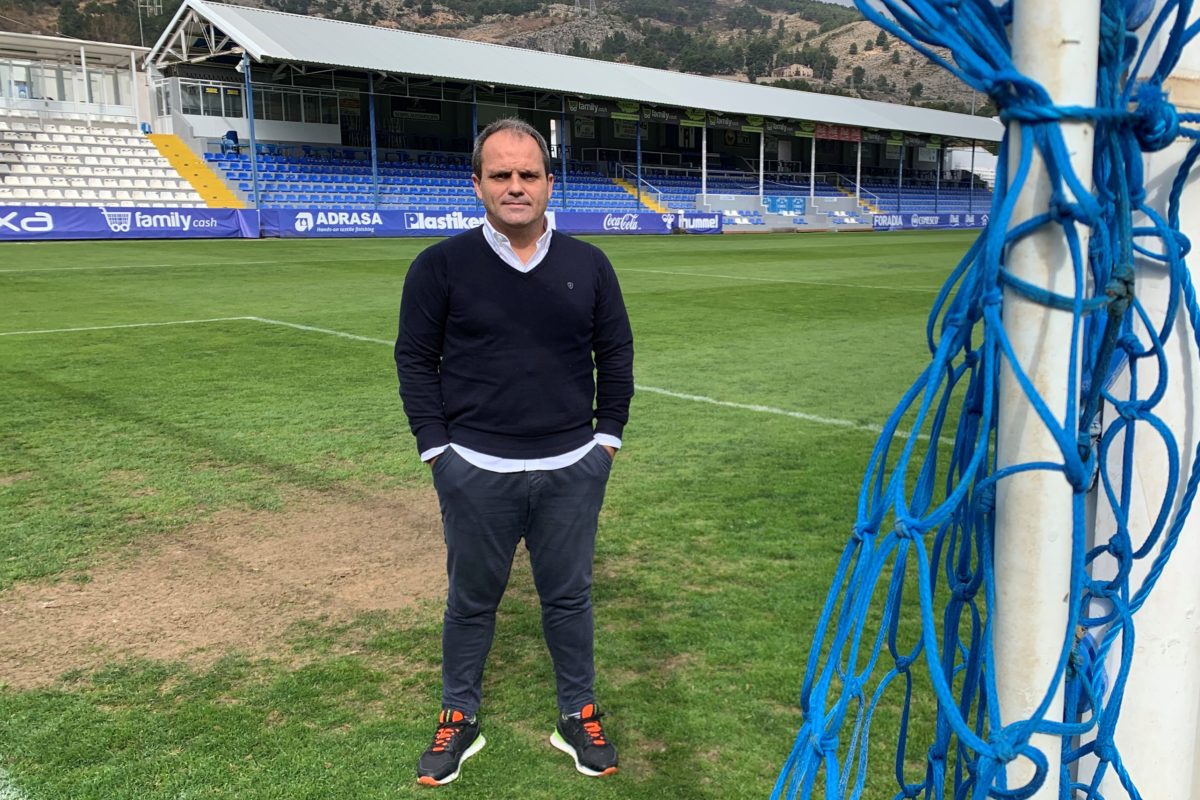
x=802 y=44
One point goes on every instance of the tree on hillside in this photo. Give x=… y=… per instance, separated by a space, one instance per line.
x=853 y=48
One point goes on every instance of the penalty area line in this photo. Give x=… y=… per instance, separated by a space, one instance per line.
x=759 y=409
x=128 y=325
x=694 y=398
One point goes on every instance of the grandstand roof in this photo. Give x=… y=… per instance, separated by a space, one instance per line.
x=35 y=47
x=275 y=36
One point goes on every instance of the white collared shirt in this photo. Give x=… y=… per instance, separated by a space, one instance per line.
x=503 y=248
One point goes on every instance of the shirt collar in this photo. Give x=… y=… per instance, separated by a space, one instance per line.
x=503 y=247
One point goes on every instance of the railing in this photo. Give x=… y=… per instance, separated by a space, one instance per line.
x=50 y=110
x=632 y=176
x=650 y=158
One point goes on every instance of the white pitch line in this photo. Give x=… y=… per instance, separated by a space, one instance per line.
x=831 y=421
x=129 y=325
x=695 y=398
x=30 y=270
x=315 y=329
x=8 y=789
x=921 y=290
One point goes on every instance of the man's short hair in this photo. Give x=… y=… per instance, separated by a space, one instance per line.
x=515 y=125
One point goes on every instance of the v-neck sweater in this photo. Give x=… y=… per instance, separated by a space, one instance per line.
x=516 y=365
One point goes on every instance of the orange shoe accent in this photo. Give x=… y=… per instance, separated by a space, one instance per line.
x=444 y=735
x=427 y=781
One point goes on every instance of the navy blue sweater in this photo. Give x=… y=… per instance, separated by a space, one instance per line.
x=501 y=361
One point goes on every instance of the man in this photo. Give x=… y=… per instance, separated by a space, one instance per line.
x=501 y=328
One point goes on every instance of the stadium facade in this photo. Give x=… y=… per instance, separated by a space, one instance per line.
x=294 y=115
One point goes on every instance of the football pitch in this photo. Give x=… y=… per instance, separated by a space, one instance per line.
x=220 y=557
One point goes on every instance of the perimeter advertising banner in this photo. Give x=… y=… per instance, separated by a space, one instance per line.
x=315 y=223
x=895 y=222
x=124 y=222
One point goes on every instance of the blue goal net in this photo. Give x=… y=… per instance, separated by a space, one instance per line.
x=905 y=642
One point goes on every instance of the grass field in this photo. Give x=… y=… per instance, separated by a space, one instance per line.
x=159 y=395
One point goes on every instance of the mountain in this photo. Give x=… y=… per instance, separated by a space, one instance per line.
x=800 y=44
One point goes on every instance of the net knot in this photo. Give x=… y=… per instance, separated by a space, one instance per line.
x=907 y=528
x=962 y=590
x=1119 y=291
x=971 y=358
x=1062 y=210
x=826 y=744
x=1105 y=751
x=860 y=531
x=1119 y=544
x=1156 y=122
x=1130 y=410
x=992 y=297
x=903 y=663
x=1004 y=748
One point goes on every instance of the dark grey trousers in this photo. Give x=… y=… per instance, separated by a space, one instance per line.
x=484 y=515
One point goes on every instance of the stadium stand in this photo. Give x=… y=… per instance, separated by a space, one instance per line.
x=80 y=162
x=340 y=178
x=211 y=106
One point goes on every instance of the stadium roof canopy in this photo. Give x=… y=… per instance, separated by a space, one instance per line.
x=202 y=30
x=35 y=47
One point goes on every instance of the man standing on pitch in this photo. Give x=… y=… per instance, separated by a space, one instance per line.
x=501 y=329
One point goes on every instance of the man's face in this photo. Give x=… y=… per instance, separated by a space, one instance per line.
x=513 y=186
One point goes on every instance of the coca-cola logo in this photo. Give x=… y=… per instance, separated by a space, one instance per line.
x=620 y=222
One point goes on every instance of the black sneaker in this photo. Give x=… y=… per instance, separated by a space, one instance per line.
x=583 y=739
x=456 y=739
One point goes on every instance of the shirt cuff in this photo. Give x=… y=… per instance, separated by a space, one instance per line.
x=433 y=451
x=608 y=439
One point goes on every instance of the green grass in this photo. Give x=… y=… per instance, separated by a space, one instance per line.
x=717 y=544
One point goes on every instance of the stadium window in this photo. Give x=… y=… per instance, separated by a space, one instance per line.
x=274 y=106
x=162 y=99
x=233 y=102
x=291 y=107
x=96 y=87
x=211 y=98
x=312 y=108
x=19 y=83
x=268 y=105
x=61 y=82
x=189 y=98
x=329 y=109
